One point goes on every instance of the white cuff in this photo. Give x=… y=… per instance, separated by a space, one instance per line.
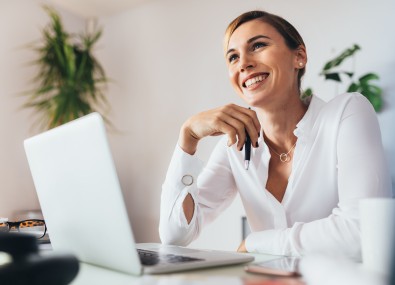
x=269 y=242
x=183 y=170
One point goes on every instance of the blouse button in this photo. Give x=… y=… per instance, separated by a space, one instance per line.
x=187 y=180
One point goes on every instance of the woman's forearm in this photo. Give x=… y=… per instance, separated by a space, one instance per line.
x=188 y=206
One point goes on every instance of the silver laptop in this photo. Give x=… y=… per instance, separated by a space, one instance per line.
x=82 y=203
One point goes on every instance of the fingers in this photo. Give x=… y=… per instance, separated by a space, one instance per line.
x=242 y=247
x=242 y=120
x=230 y=119
x=235 y=130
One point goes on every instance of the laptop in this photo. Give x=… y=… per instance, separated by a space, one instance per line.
x=82 y=203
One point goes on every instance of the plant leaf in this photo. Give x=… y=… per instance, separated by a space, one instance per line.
x=367 y=77
x=340 y=58
x=350 y=74
x=70 y=81
x=353 y=87
x=307 y=93
x=373 y=94
x=332 y=76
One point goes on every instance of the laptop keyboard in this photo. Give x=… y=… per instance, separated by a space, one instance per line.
x=148 y=257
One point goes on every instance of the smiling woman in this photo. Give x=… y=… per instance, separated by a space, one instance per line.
x=311 y=161
x=246 y=49
x=289 y=34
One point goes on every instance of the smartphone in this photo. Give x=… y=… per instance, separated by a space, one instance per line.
x=283 y=266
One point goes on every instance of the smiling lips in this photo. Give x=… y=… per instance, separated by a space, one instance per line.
x=254 y=80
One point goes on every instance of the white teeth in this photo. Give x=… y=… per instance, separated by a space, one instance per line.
x=256 y=79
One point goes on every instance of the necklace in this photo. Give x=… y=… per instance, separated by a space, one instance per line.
x=284 y=157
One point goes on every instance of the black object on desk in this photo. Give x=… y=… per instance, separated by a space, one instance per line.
x=29 y=267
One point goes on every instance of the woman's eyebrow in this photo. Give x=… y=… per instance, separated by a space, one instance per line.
x=250 y=41
x=257 y=37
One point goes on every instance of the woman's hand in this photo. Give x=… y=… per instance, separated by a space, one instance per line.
x=242 y=247
x=230 y=119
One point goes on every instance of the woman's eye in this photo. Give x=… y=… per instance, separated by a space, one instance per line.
x=232 y=58
x=258 y=45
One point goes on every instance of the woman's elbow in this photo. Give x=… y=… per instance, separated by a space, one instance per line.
x=175 y=235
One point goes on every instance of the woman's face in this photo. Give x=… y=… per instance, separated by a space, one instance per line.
x=261 y=66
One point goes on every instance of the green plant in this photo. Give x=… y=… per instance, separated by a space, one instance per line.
x=70 y=80
x=362 y=85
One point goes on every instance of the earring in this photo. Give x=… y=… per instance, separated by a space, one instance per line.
x=300 y=64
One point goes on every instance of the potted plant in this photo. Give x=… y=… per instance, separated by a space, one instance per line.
x=70 y=79
x=362 y=85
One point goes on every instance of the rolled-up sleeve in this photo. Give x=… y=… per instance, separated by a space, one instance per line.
x=212 y=187
x=181 y=179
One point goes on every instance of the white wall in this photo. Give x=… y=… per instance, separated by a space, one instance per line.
x=165 y=58
x=20 y=24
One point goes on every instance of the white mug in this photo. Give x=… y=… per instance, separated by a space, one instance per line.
x=377 y=218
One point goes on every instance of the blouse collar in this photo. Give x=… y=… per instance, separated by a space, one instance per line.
x=305 y=125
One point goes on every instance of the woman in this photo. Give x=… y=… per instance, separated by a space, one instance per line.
x=311 y=161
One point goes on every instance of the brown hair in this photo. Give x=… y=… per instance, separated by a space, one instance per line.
x=291 y=36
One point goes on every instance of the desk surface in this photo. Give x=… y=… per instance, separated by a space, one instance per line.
x=230 y=275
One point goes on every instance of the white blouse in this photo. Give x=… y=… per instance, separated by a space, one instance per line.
x=338 y=159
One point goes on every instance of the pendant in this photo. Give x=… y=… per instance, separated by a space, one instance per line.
x=284 y=157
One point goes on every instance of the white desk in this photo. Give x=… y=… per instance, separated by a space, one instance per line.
x=228 y=275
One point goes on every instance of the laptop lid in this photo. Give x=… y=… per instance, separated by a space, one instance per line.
x=82 y=203
x=80 y=196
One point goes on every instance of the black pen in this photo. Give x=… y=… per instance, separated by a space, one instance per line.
x=247 y=151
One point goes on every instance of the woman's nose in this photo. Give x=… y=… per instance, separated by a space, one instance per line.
x=245 y=63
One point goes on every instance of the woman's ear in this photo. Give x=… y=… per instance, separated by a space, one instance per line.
x=300 y=57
